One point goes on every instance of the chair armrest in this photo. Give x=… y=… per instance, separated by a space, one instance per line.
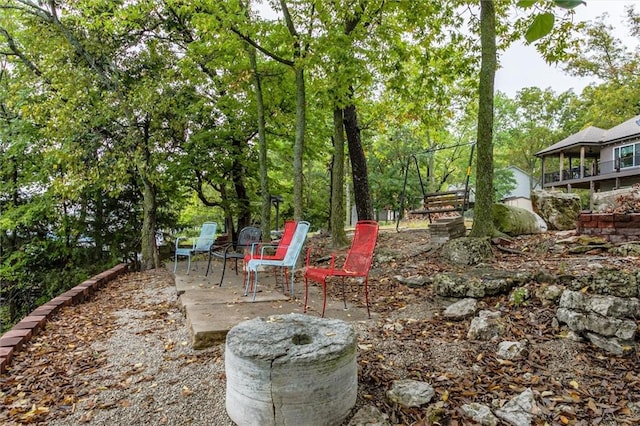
x=266 y=246
x=178 y=239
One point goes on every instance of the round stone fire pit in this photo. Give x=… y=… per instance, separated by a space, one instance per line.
x=291 y=370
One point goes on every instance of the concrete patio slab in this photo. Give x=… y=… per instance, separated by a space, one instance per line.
x=211 y=311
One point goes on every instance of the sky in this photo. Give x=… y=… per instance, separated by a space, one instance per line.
x=523 y=67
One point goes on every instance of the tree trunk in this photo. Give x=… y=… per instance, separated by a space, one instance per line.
x=265 y=212
x=359 y=174
x=298 y=146
x=240 y=188
x=150 y=256
x=338 y=236
x=482 y=217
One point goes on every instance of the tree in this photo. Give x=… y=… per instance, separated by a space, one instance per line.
x=482 y=217
x=601 y=56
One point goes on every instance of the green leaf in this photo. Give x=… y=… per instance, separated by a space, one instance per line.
x=540 y=27
x=569 y=4
x=526 y=3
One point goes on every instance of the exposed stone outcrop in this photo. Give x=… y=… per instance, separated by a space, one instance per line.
x=559 y=210
x=466 y=251
x=477 y=283
x=608 y=322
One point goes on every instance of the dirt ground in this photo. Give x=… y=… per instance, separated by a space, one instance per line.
x=573 y=381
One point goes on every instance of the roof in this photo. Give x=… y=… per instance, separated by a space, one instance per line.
x=625 y=130
x=589 y=136
x=595 y=136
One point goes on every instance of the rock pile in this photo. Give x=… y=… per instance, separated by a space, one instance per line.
x=608 y=322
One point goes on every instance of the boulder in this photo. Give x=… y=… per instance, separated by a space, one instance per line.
x=517 y=221
x=559 y=210
x=466 y=251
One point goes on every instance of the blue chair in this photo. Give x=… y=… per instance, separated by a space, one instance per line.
x=288 y=263
x=201 y=245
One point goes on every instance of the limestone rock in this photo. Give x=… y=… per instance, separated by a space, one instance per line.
x=512 y=350
x=608 y=322
x=480 y=413
x=415 y=281
x=549 y=294
x=485 y=326
x=520 y=410
x=613 y=345
x=466 y=251
x=369 y=415
x=410 y=393
x=559 y=210
x=477 y=283
x=461 y=310
x=613 y=282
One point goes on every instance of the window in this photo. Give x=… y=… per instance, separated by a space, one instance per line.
x=627 y=155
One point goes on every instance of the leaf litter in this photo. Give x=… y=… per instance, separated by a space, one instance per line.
x=573 y=382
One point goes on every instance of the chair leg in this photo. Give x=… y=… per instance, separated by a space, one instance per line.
x=306 y=294
x=255 y=284
x=344 y=294
x=175 y=263
x=208 y=264
x=224 y=267
x=247 y=283
x=366 y=295
x=188 y=264
x=324 y=296
x=292 y=293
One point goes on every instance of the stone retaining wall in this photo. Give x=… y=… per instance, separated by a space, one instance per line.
x=614 y=227
x=14 y=339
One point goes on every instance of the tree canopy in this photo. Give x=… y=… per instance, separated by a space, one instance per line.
x=121 y=120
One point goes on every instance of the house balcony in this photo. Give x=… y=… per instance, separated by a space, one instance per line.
x=605 y=175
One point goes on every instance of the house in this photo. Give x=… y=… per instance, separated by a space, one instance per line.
x=520 y=196
x=595 y=159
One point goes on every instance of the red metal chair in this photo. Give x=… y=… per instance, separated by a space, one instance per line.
x=257 y=250
x=356 y=264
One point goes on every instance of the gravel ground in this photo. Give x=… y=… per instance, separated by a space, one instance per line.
x=149 y=374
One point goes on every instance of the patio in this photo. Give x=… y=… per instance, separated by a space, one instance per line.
x=211 y=311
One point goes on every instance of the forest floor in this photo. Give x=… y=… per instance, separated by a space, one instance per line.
x=573 y=382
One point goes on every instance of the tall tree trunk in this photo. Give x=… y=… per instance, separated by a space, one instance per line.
x=238 y=173
x=338 y=236
x=150 y=257
x=298 y=147
x=265 y=212
x=149 y=249
x=482 y=217
x=359 y=174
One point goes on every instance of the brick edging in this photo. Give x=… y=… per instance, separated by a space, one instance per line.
x=13 y=340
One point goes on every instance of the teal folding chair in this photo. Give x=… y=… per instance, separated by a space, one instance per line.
x=201 y=245
x=288 y=263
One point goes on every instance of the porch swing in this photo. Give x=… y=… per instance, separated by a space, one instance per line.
x=456 y=200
